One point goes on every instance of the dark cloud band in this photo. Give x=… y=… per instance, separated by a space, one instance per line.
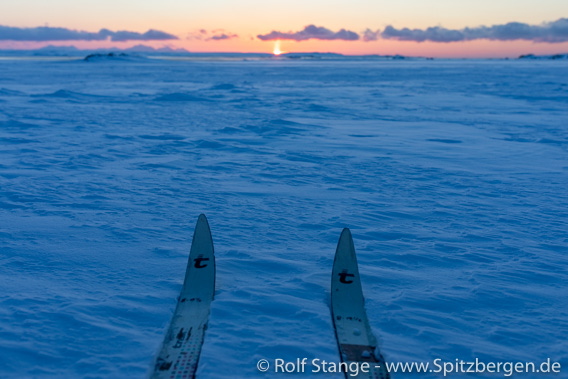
x=551 y=32
x=46 y=33
x=311 y=32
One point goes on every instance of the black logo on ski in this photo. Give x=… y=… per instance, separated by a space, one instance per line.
x=198 y=261
x=343 y=275
x=180 y=337
x=163 y=365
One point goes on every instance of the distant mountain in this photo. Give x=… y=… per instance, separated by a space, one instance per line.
x=57 y=48
x=338 y=56
x=150 y=49
x=142 y=50
x=74 y=51
x=53 y=51
x=312 y=55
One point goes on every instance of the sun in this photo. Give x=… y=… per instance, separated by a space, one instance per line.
x=277 y=50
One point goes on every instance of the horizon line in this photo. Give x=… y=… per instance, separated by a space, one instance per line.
x=181 y=52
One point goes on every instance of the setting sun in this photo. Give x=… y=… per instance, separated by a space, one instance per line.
x=277 y=50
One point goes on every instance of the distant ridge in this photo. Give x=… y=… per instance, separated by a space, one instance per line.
x=338 y=56
x=149 y=49
x=555 y=56
x=52 y=50
x=112 y=56
x=72 y=51
x=141 y=50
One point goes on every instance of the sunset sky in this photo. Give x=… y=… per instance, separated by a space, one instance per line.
x=439 y=28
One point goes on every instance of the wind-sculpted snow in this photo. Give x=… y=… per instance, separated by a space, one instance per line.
x=452 y=176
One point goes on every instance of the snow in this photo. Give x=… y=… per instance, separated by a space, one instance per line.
x=451 y=175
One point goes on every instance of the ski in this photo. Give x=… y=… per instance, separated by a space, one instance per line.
x=355 y=339
x=179 y=354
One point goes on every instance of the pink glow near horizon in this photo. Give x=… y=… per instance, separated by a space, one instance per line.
x=250 y=44
x=241 y=26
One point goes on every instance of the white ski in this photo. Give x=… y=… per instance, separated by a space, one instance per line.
x=354 y=336
x=180 y=350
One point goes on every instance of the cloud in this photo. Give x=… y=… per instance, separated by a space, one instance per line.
x=46 y=33
x=369 y=35
x=150 y=35
x=220 y=37
x=551 y=32
x=311 y=32
x=211 y=35
x=435 y=34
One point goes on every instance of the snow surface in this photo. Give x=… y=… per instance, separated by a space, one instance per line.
x=452 y=176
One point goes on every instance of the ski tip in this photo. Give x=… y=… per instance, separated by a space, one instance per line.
x=202 y=220
x=345 y=245
x=202 y=228
x=345 y=238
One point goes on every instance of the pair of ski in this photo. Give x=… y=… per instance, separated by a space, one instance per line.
x=179 y=354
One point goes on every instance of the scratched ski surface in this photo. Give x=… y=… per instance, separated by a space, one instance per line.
x=354 y=336
x=180 y=350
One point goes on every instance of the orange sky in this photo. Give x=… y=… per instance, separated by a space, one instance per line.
x=471 y=49
x=249 y=18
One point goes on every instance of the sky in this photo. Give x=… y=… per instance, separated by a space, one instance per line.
x=436 y=28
